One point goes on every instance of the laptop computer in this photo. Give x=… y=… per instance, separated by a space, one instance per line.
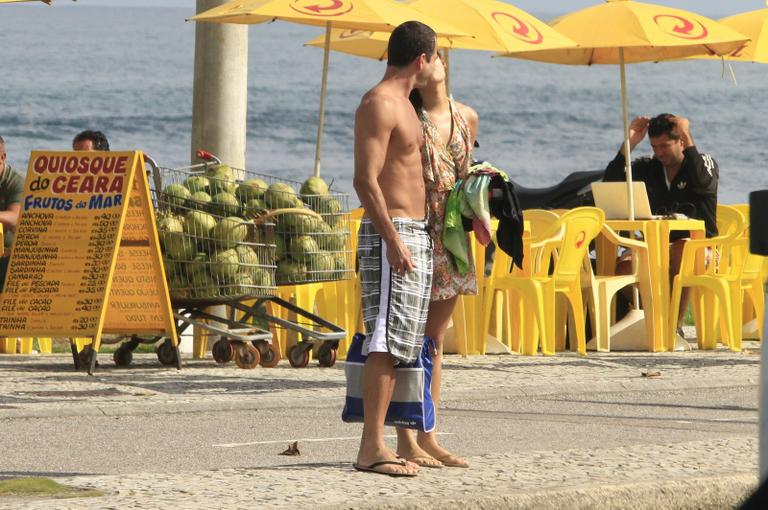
x=611 y=197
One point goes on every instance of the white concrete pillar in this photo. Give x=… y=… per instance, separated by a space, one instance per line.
x=220 y=101
x=220 y=88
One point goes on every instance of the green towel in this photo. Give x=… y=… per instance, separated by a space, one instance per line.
x=454 y=238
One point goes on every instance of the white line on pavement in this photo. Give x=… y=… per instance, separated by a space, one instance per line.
x=308 y=440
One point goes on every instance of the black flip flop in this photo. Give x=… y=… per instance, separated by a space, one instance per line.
x=372 y=468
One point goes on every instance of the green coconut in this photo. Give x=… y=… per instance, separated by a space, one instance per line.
x=281 y=196
x=179 y=287
x=321 y=263
x=290 y=271
x=199 y=224
x=262 y=277
x=197 y=183
x=303 y=247
x=220 y=178
x=253 y=207
x=225 y=265
x=199 y=200
x=228 y=232
x=199 y=264
x=224 y=204
x=335 y=240
x=314 y=186
x=181 y=247
x=297 y=223
x=169 y=226
x=173 y=267
x=330 y=209
x=205 y=287
x=252 y=189
x=281 y=246
x=176 y=196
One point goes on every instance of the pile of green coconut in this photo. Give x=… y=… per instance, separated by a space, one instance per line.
x=213 y=248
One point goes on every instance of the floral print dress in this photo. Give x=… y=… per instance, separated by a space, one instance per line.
x=443 y=164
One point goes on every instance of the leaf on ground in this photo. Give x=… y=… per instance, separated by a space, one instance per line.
x=293 y=449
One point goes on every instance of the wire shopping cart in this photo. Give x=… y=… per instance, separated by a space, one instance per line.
x=233 y=237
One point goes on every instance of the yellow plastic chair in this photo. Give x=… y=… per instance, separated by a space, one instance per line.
x=539 y=291
x=7 y=345
x=752 y=284
x=468 y=330
x=718 y=284
x=603 y=288
x=509 y=324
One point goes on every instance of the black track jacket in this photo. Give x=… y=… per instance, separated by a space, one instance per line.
x=695 y=184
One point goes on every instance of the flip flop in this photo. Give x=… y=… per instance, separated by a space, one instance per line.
x=426 y=461
x=452 y=460
x=372 y=468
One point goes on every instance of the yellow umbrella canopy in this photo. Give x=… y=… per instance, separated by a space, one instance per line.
x=493 y=25
x=625 y=31
x=378 y=15
x=753 y=24
x=646 y=32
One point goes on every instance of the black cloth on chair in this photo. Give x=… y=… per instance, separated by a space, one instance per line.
x=505 y=206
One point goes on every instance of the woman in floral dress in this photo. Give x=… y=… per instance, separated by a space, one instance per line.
x=443 y=162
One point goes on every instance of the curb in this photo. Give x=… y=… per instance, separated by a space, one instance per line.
x=703 y=493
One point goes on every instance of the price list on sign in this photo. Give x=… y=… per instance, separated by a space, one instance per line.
x=136 y=303
x=81 y=215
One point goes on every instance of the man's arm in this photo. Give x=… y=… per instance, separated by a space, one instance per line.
x=374 y=124
x=701 y=168
x=616 y=170
x=10 y=217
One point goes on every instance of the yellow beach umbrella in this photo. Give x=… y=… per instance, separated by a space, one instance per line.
x=625 y=31
x=492 y=25
x=378 y=15
x=753 y=24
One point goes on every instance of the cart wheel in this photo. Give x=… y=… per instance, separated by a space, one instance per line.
x=86 y=356
x=270 y=356
x=326 y=356
x=298 y=356
x=123 y=356
x=223 y=351
x=247 y=356
x=166 y=353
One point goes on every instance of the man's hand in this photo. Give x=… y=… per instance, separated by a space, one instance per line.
x=683 y=127
x=399 y=257
x=637 y=131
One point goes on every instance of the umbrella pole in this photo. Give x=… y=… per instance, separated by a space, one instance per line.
x=628 y=160
x=323 y=91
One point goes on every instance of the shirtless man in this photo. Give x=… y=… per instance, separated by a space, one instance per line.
x=395 y=250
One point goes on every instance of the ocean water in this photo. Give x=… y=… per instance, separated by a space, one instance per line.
x=128 y=72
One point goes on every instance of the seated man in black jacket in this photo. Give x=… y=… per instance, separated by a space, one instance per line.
x=678 y=179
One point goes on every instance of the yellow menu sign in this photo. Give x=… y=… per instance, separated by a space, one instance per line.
x=86 y=257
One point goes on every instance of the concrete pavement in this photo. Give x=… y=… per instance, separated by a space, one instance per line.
x=558 y=432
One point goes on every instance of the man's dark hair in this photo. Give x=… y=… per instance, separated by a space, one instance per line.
x=100 y=142
x=663 y=125
x=408 y=41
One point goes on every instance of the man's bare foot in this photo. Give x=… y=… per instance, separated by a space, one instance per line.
x=369 y=459
x=445 y=457
x=418 y=456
